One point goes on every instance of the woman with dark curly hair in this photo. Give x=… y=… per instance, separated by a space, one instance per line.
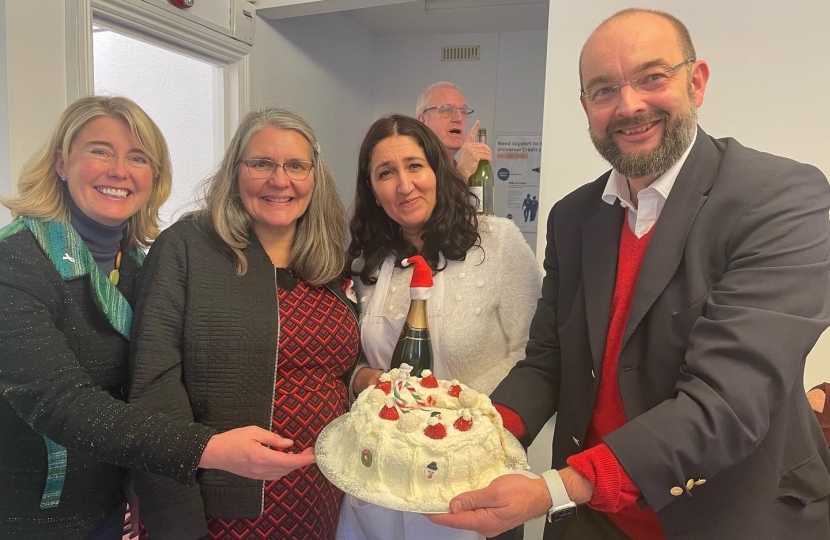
x=410 y=199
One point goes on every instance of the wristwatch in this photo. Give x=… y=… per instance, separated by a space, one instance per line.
x=563 y=507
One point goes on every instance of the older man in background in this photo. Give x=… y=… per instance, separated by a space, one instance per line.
x=442 y=107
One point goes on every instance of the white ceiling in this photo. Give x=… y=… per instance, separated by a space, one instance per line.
x=410 y=19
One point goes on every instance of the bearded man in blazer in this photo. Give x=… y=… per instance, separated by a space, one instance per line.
x=672 y=349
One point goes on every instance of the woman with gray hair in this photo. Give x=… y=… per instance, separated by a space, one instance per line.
x=243 y=316
x=87 y=204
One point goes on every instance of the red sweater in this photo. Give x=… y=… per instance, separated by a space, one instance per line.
x=614 y=492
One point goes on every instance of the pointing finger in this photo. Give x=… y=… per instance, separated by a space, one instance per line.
x=471 y=137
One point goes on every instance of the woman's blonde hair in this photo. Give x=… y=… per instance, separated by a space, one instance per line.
x=41 y=194
x=317 y=255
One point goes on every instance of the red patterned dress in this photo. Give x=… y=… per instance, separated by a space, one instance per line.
x=318 y=344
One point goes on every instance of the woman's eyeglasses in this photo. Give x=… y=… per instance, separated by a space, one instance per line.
x=262 y=168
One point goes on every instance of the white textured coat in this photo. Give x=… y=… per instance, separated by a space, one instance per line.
x=489 y=301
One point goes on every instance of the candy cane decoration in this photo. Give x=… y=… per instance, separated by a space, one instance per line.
x=400 y=403
x=398 y=400
x=418 y=400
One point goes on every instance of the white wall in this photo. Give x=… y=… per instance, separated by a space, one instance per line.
x=322 y=67
x=35 y=77
x=505 y=88
x=768 y=84
x=520 y=82
x=407 y=65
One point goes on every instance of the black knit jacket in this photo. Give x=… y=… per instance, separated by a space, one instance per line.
x=63 y=375
x=205 y=348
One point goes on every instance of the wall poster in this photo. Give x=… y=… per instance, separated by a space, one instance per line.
x=517 y=166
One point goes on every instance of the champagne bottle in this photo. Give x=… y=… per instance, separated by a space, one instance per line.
x=414 y=346
x=481 y=181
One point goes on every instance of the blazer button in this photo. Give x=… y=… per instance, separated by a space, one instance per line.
x=576 y=441
x=677 y=491
x=690 y=484
x=123 y=390
x=593 y=376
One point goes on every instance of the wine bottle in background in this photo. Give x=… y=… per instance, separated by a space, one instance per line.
x=414 y=346
x=481 y=182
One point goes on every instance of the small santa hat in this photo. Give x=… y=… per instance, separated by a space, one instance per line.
x=420 y=286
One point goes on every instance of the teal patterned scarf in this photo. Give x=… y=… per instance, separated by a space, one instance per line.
x=71 y=258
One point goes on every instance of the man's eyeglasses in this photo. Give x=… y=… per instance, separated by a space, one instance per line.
x=650 y=80
x=262 y=168
x=447 y=111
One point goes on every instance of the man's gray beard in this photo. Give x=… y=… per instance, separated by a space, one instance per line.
x=677 y=136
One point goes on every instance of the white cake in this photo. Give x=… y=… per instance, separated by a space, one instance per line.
x=422 y=439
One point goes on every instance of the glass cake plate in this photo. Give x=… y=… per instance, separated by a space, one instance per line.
x=331 y=467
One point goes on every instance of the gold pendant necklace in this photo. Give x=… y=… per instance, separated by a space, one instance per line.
x=115 y=273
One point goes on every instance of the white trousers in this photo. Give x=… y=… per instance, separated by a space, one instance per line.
x=363 y=521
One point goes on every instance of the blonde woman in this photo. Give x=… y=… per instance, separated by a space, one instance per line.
x=87 y=203
x=243 y=317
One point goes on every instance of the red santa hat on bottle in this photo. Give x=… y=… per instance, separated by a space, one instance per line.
x=420 y=286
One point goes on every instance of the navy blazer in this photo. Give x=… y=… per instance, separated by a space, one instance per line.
x=732 y=295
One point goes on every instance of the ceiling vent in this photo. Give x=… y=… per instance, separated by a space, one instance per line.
x=470 y=53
